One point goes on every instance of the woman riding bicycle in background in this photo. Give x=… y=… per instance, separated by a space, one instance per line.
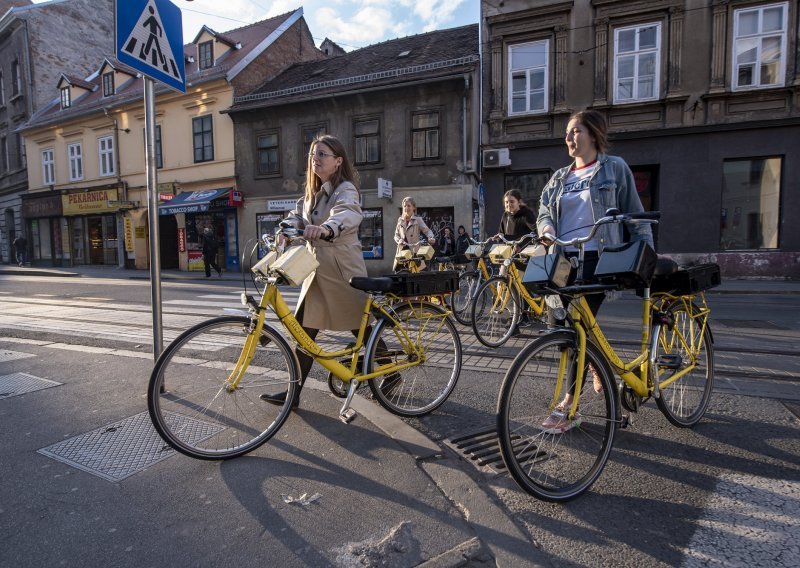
x=579 y=194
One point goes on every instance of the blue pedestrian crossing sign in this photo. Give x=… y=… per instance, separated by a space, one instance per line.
x=150 y=40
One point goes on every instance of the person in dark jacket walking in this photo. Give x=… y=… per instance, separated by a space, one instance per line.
x=462 y=244
x=20 y=248
x=210 y=252
x=447 y=242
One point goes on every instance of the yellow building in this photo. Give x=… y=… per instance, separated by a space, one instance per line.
x=87 y=197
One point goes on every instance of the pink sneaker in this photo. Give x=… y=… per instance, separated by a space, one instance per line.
x=558 y=423
x=596 y=382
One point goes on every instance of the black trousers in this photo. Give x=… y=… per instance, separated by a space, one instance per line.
x=209 y=262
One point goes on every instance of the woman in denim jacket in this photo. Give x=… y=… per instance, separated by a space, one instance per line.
x=574 y=198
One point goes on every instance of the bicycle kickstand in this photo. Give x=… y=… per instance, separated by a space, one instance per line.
x=347 y=414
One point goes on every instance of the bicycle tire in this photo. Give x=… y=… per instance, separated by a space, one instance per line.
x=684 y=401
x=495 y=312
x=468 y=284
x=423 y=388
x=553 y=466
x=187 y=398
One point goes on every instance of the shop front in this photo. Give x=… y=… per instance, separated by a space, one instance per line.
x=47 y=230
x=91 y=225
x=184 y=218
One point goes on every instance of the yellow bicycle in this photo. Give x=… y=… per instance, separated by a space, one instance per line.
x=470 y=280
x=203 y=395
x=498 y=305
x=555 y=433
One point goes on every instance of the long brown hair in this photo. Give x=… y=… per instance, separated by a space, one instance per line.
x=596 y=124
x=516 y=194
x=345 y=172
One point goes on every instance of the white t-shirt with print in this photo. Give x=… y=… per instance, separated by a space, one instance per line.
x=576 y=218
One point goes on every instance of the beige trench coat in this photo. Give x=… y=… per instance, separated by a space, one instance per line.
x=409 y=234
x=330 y=302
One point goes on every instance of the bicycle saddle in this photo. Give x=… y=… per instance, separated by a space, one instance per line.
x=369 y=284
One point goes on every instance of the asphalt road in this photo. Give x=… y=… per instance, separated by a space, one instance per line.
x=667 y=497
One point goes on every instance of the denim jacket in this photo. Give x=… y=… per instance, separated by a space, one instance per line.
x=611 y=185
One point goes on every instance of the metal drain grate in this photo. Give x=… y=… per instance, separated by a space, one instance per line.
x=8 y=355
x=16 y=384
x=119 y=450
x=481 y=448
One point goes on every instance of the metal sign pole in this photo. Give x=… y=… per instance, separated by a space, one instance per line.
x=152 y=214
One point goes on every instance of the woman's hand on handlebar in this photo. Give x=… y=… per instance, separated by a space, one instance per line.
x=315 y=232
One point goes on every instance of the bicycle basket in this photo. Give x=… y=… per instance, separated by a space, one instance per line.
x=688 y=280
x=426 y=252
x=533 y=250
x=500 y=252
x=629 y=266
x=262 y=266
x=295 y=265
x=403 y=254
x=424 y=283
x=474 y=251
x=546 y=271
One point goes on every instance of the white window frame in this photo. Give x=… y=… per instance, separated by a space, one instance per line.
x=66 y=101
x=637 y=53
x=528 y=71
x=75 y=160
x=758 y=37
x=105 y=148
x=48 y=167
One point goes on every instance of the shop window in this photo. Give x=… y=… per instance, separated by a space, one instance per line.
x=437 y=218
x=203 y=138
x=759 y=46
x=265 y=225
x=367 y=141
x=107 y=164
x=425 y=134
x=637 y=59
x=75 y=155
x=528 y=77
x=48 y=167
x=750 y=214
x=268 y=150
x=370 y=233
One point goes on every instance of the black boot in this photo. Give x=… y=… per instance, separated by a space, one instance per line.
x=280 y=397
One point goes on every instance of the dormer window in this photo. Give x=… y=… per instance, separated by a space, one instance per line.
x=205 y=54
x=108 y=84
x=65 y=101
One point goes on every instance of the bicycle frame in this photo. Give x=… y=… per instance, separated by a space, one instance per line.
x=514 y=279
x=273 y=299
x=637 y=373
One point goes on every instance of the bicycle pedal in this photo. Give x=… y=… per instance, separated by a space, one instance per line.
x=348 y=415
x=670 y=362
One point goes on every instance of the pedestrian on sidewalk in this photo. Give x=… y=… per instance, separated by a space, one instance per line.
x=20 y=247
x=210 y=248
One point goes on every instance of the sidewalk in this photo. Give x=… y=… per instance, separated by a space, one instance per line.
x=729 y=286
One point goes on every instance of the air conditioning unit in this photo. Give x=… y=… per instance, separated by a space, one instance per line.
x=498 y=158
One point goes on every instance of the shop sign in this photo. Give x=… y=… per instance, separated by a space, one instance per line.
x=165 y=197
x=281 y=204
x=49 y=206
x=88 y=202
x=128 y=234
x=181 y=239
x=140 y=232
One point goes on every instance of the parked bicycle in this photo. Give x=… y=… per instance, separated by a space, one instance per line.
x=674 y=365
x=203 y=395
x=470 y=280
x=499 y=303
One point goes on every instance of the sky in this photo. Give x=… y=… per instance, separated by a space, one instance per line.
x=350 y=23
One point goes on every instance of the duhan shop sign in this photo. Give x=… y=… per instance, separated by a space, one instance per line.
x=90 y=202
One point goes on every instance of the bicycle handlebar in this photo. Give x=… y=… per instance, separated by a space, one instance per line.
x=648 y=217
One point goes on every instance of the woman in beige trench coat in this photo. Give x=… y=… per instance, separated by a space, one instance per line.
x=329 y=214
x=409 y=230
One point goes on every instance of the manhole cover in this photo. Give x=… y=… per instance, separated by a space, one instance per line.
x=123 y=448
x=16 y=384
x=749 y=324
x=8 y=355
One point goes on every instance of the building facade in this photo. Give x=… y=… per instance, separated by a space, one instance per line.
x=87 y=153
x=407 y=111
x=37 y=43
x=702 y=100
